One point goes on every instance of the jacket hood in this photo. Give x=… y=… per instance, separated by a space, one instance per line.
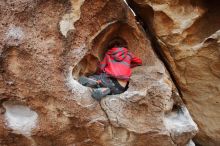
x=118 y=54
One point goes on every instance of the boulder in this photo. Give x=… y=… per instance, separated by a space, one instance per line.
x=187 y=37
x=46 y=45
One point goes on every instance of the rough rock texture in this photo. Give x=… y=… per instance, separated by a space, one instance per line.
x=46 y=45
x=189 y=35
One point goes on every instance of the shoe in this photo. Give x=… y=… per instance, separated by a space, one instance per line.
x=100 y=92
x=88 y=82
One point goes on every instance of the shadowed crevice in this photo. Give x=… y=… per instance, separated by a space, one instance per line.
x=145 y=14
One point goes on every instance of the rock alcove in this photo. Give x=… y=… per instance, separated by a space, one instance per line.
x=99 y=46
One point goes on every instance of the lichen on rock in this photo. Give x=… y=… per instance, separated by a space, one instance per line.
x=20 y=118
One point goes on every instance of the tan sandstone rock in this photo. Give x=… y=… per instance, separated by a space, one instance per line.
x=46 y=45
x=189 y=35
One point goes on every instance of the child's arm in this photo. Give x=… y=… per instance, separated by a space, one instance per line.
x=135 y=61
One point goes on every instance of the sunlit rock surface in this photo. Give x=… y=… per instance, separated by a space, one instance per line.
x=189 y=35
x=46 y=45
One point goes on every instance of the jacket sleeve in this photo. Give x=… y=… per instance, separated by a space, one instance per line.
x=135 y=61
x=102 y=65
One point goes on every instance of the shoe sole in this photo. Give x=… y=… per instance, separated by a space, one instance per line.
x=98 y=95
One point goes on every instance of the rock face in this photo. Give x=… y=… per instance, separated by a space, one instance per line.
x=46 y=45
x=189 y=35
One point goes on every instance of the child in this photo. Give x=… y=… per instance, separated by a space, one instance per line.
x=113 y=72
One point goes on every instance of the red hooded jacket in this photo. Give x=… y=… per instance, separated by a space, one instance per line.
x=118 y=63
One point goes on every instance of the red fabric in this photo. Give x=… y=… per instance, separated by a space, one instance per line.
x=118 y=63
